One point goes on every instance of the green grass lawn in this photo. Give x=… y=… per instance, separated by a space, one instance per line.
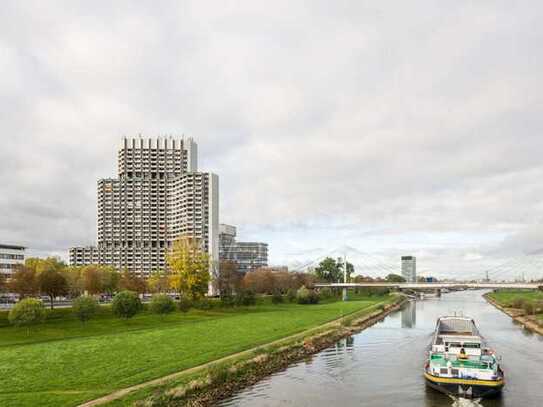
x=65 y=362
x=507 y=297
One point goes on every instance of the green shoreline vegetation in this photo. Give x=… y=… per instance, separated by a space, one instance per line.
x=207 y=384
x=66 y=362
x=528 y=303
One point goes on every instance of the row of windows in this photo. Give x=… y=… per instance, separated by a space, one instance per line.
x=12 y=256
x=8 y=266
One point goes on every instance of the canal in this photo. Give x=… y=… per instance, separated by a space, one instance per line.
x=382 y=366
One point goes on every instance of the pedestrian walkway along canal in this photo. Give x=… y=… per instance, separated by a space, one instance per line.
x=382 y=366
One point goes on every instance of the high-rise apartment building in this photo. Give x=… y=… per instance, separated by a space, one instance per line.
x=158 y=196
x=247 y=255
x=10 y=257
x=409 y=269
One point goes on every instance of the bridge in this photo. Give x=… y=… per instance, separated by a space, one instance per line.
x=434 y=286
x=437 y=287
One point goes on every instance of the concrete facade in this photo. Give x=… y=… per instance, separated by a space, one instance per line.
x=10 y=257
x=158 y=196
x=248 y=255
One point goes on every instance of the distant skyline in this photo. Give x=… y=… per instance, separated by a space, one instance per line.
x=391 y=128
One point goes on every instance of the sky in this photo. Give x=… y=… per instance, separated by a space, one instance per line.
x=369 y=128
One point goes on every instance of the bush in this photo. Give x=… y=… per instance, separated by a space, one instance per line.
x=204 y=304
x=518 y=303
x=126 y=304
x=218 y=375
x=85 y=307
x=27 y=312
x=528 y=308
x=162 y=304
x=246 y=298
x=305 y=296
x=325 y=293
x=291 y=295
x=227 y=300
x=184 y=304
x=277 y=298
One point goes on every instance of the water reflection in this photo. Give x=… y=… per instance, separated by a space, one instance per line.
x=382 y=366
x=409 y=315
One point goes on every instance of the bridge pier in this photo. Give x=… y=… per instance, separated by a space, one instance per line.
x=344 y=294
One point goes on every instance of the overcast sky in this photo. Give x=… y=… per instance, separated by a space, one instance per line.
x=390 y=127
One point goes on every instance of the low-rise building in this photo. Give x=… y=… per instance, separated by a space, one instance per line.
x=10 y=257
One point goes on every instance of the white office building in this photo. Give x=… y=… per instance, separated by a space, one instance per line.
x=409 y=269
x=159 y=195
x=10 y=257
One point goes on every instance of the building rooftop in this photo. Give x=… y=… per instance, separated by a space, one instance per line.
x=11 y=246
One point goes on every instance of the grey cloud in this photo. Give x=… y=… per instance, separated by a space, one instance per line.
x=340 y=118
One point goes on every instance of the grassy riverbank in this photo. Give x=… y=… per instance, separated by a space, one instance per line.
x=525 y=302
x=523 y=306
x=206 y=384
x=65 y=362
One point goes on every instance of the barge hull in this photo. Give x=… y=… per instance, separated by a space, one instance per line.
x=465 y=388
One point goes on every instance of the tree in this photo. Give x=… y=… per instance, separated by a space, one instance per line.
x=229 y=279
x=3 y=282
x=395 y=278
x=50 y=263
x=277 y=297
x=363 y=279
x=126 y=304
x=110 y=279
x=261 y=281
x=27 y=312
x=330 y=270
x=162 y=304
x=52 y=282
x=76 y=281
x=303 y=279
x=245 y=297
x=23 y=281
x=184 y=304
x=189 y=268
x=284 y=281
x=291 y=295
x=92 y=277
x=32 y=263
x=350 y=271
x=305 y=296
x=85 y=307
x=158 y=282
x=132 y=282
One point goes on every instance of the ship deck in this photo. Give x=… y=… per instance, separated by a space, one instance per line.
x=439 y=360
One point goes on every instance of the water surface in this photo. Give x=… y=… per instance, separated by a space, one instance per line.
x=382 y=366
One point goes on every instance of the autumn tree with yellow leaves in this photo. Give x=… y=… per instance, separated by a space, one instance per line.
x=189 y=268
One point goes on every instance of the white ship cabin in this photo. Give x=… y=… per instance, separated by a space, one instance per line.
x=457 y=336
